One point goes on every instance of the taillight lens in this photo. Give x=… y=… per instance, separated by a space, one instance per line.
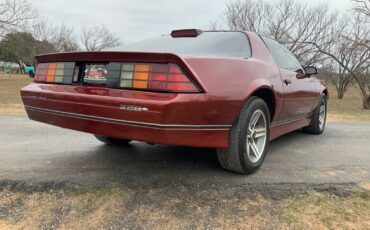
x=163 y=77
x=58 y=72
x=145 y=76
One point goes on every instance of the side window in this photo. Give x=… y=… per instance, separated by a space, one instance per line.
x=282 y=56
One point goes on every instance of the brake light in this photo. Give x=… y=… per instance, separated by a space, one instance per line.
x=186 y=33
x=58 y=72
x=163 y=77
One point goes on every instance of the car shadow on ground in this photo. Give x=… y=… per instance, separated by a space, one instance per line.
x=145 y=161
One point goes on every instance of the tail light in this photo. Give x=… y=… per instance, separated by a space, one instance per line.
x=156 y=77
x=58 y=72
x=162 y=77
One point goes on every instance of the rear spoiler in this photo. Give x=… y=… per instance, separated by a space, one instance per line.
x=109 y=56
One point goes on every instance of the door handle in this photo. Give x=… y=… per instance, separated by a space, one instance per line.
x=287 y=82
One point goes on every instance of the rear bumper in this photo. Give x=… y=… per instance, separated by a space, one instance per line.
x=170 y=119
x=186 y=136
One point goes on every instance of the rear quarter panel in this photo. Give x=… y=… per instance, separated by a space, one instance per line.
x=230 y=81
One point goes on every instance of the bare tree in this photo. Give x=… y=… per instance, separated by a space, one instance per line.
x=347 y=51
x=98 y=38
x=339 y=77
x=14 y=15
x=352 y=54
x=19 y=16
x=314 y=34
x=296 y=23
x=212 y=25
x=289 y=22
x=362 y=7
x=40 y=29
x=62 y=37
x=249 y=15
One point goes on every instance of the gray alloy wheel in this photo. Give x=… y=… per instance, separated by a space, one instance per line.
x=256 y=136
x=318 y=119
x=322 y=114
x=112 y=140
x=248 y=140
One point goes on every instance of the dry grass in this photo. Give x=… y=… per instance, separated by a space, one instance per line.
x=348 y=109
x=118 y=208
x=128 y=209
x=10 y=99
x=324 y=211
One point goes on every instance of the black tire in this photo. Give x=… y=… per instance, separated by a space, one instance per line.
x=112 y=140
x=315 y=126
x=235 y=158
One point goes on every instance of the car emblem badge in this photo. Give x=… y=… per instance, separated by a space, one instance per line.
x=133 y=108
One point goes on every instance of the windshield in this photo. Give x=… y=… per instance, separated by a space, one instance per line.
x=218 y=44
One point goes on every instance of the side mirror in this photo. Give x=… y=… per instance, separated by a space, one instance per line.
x=310 y=70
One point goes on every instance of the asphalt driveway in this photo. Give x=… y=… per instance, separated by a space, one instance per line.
x=35 y=152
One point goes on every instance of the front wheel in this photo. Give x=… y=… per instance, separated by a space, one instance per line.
x=248 y=140
x=112 y=140
x=318 y=120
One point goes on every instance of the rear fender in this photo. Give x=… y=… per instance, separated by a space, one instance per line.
x=257 y=84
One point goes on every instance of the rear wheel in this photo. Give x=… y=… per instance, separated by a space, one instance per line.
x=318 y=120
x=112 y=140
x=248 y=140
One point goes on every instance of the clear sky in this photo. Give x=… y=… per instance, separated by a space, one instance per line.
x=133 y=20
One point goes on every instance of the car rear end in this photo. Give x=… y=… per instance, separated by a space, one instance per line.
x=140 y=95
x=122 y=95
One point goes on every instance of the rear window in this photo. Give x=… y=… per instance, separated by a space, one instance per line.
x=218 y=44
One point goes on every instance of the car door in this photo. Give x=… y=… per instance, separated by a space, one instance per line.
x=300 y=93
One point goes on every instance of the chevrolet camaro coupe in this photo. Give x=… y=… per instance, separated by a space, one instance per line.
x=230 y=90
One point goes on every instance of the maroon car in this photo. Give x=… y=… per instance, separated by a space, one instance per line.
x=234 y=91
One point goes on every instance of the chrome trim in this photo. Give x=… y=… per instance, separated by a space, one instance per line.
x=322 y=114
x=36 y=97
x=125 y=122
x=300 y=98
x=289 y=120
